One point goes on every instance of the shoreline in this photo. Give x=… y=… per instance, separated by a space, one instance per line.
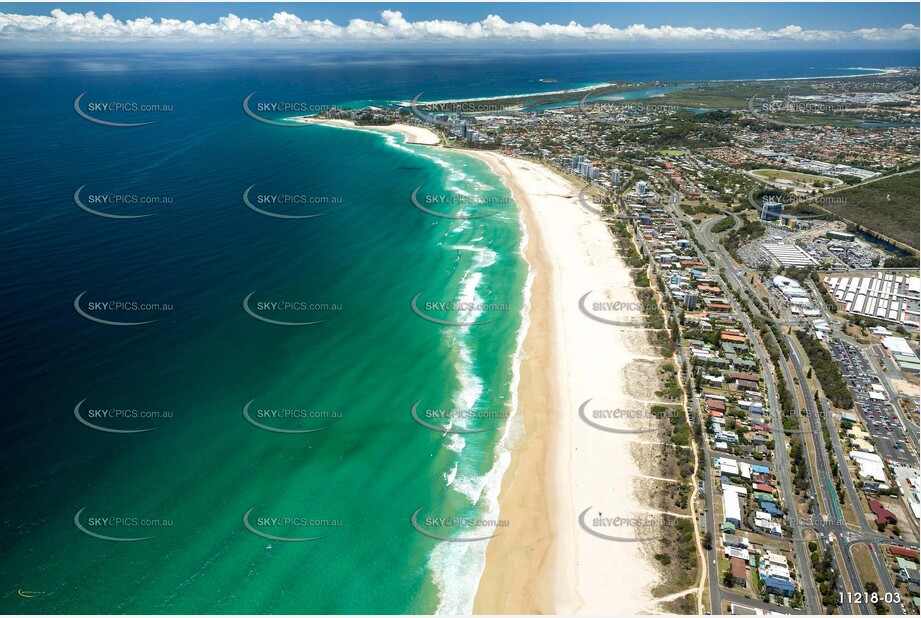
x=415 y=136
x=544 y=563
x=547 y=564
x=599 y=85
x=510 y=96
x=420 y=139
x=514 y=582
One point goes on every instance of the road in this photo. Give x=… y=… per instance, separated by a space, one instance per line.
x=834 y=526
x=912 y=430
x=909 y=428
x=831 y=529
x=688 y=394
x=780 y=464
x=812 y=200
x=713 y=574
x=889 y=436
x=821 y=470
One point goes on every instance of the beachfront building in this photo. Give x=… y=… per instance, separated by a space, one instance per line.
x=579 y=164
x=730 y=387
x=779 y=586
x=739 y=571
x=765 y=521
x=774 y=572
x=728 y=466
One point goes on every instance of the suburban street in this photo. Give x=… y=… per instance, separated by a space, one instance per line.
x=832 y=529
x=779 y=464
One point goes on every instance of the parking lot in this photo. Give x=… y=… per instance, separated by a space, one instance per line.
x=879 y=416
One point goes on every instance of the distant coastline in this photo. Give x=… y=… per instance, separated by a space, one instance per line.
x=599 y=85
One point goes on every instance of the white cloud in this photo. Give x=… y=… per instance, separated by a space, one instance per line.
x=285 y=27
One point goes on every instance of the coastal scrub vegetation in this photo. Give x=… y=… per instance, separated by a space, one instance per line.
x=661 y=336
x=888 y=206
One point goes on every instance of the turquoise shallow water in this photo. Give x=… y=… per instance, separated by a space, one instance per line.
x=354 y=376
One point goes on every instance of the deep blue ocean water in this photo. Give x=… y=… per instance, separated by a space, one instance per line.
x=371 y=466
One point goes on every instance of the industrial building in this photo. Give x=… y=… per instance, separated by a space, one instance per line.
x=842 y=236
x=789 y=255
x=893 y=298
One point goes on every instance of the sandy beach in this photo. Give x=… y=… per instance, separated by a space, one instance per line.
x=547 y=563
x=414 y=134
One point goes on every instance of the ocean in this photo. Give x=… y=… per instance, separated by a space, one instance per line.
x=251 y=446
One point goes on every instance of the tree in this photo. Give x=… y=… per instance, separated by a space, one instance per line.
x=729 y=579
x=708 y=541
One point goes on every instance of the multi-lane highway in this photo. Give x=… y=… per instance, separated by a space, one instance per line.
x=910 y=428
x=832 y=527
x=832 y=530
x=888 y=433
x=780 y=465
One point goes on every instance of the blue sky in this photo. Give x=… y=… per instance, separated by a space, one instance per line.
x=667 y=25
x=818 y=15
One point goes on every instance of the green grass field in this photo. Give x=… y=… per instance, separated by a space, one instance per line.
x=888 y=206
x=673 y=153
x=797 y=178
